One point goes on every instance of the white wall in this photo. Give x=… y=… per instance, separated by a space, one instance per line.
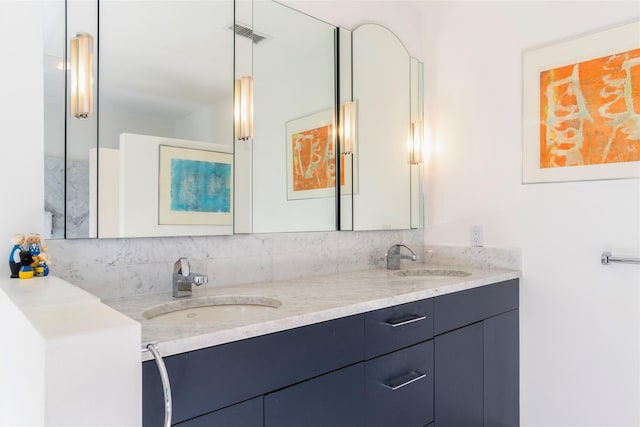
x=580 y=321
x=21 y=121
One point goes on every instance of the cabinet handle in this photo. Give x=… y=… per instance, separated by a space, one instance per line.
x=405 y=380
x=166 y=385
x=394 y=323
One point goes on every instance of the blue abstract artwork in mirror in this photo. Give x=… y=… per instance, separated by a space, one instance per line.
x=198 y=186
x=195 y=186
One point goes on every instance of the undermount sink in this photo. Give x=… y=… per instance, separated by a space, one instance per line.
x=211 y=308
x=433 y=272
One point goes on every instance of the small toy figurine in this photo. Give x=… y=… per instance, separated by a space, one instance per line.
x=42 y=269
x=26 y=265
x=14 y=257
x=35 y=244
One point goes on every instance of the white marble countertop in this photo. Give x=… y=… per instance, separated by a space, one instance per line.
x=304 y=302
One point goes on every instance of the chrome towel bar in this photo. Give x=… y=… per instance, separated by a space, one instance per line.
x=607 y=259
x=166 y=385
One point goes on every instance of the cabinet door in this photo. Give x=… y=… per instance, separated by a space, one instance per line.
x=245 y=414
x=335 y=399
x=399 y=388
x=458 y=361
x=501 y=370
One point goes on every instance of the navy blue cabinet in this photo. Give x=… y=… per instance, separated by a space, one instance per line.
x=399 y=387
x=501 y=370
x=446 y=361
x=459 y=378
x=213 y=378
x=476 y=357
x=335 y=399
x=244 y=414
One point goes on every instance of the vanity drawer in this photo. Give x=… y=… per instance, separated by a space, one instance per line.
x=396 y=327
x=399 y=388
x=205 y=380
x=245 y=414
x=463 y=308
x=332 y=400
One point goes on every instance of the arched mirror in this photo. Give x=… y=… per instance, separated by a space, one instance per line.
x=386 y=164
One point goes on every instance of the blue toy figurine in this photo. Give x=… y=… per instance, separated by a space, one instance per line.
x=35 y=244
x=14 y=257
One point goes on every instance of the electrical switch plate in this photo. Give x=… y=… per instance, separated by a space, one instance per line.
x=476 y=235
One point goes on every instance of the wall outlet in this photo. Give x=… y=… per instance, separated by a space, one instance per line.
x=476 y=235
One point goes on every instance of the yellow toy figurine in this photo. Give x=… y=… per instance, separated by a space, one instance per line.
x=18 y=242
x=27 y=263
x=42 y=269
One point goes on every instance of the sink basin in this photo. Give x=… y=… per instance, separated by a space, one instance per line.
x=211 y=308
x=433 y=272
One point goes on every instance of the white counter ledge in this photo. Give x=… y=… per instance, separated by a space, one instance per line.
x=61 y=348
x=304 y=302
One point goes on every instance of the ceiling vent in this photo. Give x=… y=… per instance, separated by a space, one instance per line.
x=246 y=32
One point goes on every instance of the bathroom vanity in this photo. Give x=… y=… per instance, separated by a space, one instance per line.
x=371 y=348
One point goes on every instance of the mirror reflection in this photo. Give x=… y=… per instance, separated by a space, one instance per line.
x=166 y=86
x=381 y=85
x=166 y=80
x=53 y=16
x=293 y=150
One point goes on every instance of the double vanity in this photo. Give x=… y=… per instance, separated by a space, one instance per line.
x=408 y=347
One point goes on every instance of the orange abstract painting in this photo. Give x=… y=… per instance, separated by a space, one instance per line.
x=590 y=112
x=314 y=159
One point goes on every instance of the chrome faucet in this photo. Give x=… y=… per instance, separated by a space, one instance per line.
x=183 y=279
x=393 y=256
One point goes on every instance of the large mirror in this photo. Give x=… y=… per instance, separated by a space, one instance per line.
x=292 y=152
x=165 y=116
x=386 y=163
x=68 y=142
x=53 y=15
x=165 y=91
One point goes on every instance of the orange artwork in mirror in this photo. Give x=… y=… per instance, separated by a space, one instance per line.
x=314 y=159
x=590 y=112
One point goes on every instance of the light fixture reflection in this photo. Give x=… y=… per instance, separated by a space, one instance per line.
x=415 y=143
x=81 y=65
x=243 y=108
x=348 y=114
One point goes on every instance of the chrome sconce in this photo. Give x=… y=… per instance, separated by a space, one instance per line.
x=243 y=108
x=81 y=78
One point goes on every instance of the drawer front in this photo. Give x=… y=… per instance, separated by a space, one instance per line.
x=205 y=380
x=399 y=388
x=463 y=308
x=245 y=414
x=390 y=329
x=331 y=400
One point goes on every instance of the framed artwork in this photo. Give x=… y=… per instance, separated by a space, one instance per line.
x=195 y=186
x=311 y=158
x=581 y=108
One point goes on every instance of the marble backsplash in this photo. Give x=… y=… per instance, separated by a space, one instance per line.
x=77 y=196
x=113 y=268
x=476 y=257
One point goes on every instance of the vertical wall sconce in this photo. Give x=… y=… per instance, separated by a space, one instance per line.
x=243 y=108
x=81 y=65
x=415 y=143
x=348 y=114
